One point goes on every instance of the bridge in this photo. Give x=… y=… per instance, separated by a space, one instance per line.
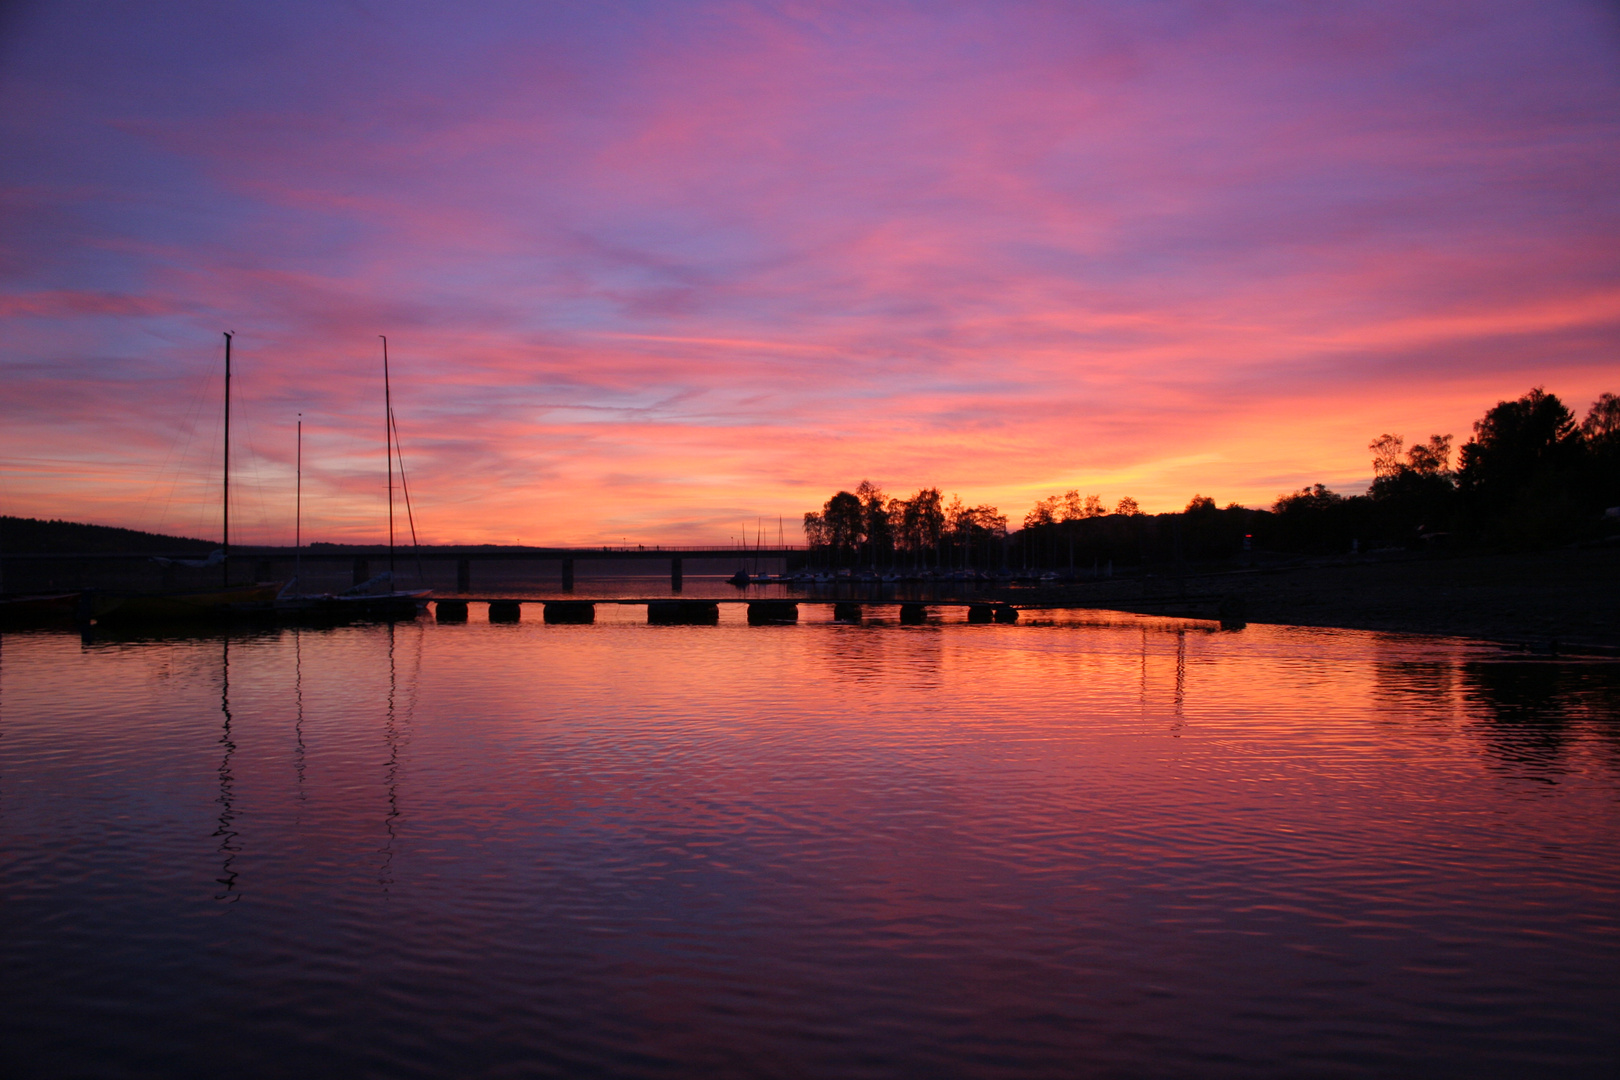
x=364 y=559
x=367 y=560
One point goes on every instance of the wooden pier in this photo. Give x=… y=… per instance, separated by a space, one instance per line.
x=667 y=611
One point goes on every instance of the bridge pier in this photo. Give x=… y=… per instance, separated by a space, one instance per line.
x=570 y=611
x=568 y=575
x=675 y=574
x=913 y=614
x=505 y=611
x=683 y=613
x=463 y=575
x=981 y=613
x=847 y=612
x=450 y=611
x=768 y=612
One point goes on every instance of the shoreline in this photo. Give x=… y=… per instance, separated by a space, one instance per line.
x=1562 y=601
x=1565 y=600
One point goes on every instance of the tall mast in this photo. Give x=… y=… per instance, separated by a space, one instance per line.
x=388 y=447
x=298 y=505
x=225 y=532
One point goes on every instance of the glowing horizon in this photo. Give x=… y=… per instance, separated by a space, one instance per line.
x=649 y=273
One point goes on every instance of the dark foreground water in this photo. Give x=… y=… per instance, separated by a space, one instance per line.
x=1124 y=848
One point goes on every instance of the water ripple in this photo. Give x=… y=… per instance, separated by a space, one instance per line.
x=1081 y=845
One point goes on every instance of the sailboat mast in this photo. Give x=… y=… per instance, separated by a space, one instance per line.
x=388 y=447
x=225 y=530
x=298 y=505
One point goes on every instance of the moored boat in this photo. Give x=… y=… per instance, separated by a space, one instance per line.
x=376 y=598
x=356 y=604
x=125 y=607
x=37 y=609
x=179 y=605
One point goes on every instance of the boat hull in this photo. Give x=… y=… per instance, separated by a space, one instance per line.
x=190 y=605
x=340 y=609
x=21 y=612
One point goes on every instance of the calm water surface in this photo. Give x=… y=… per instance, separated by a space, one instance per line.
x=1077 y=846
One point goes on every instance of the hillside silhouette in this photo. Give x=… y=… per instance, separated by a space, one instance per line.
x=36 y=535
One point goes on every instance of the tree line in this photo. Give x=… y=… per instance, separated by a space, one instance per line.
x=1531 y=475
x=867 y=528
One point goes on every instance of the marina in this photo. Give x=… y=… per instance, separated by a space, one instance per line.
x=964 y=541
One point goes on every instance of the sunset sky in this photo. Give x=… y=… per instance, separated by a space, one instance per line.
x=649 y=271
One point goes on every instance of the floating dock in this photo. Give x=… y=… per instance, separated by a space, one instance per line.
x=665 y=611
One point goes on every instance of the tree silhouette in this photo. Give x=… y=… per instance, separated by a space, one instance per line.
x=1519 y=443
x=838 y=529
x=867 y=528
x=1601 y=429
x=1307 y=500
x=1521 y=473
x=1414 y=497
x=876 y=522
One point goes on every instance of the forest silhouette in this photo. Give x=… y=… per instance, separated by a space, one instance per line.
x=1531 y=476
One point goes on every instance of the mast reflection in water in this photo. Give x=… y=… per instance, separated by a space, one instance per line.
x=1080 y=845
x=226 y=833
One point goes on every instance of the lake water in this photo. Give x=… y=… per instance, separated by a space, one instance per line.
x=1083 y=845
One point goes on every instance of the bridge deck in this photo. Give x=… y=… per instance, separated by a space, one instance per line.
x=1023 y=604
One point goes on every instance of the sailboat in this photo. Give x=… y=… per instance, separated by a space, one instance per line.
x=25 y=610
x=183 y=605
x=376 y=598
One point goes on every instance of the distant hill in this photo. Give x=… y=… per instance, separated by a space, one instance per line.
x=31 y=535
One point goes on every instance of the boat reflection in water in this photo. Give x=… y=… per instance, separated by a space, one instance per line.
x=1080 y=845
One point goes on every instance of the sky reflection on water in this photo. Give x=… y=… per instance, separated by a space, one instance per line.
x=1082 y=845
